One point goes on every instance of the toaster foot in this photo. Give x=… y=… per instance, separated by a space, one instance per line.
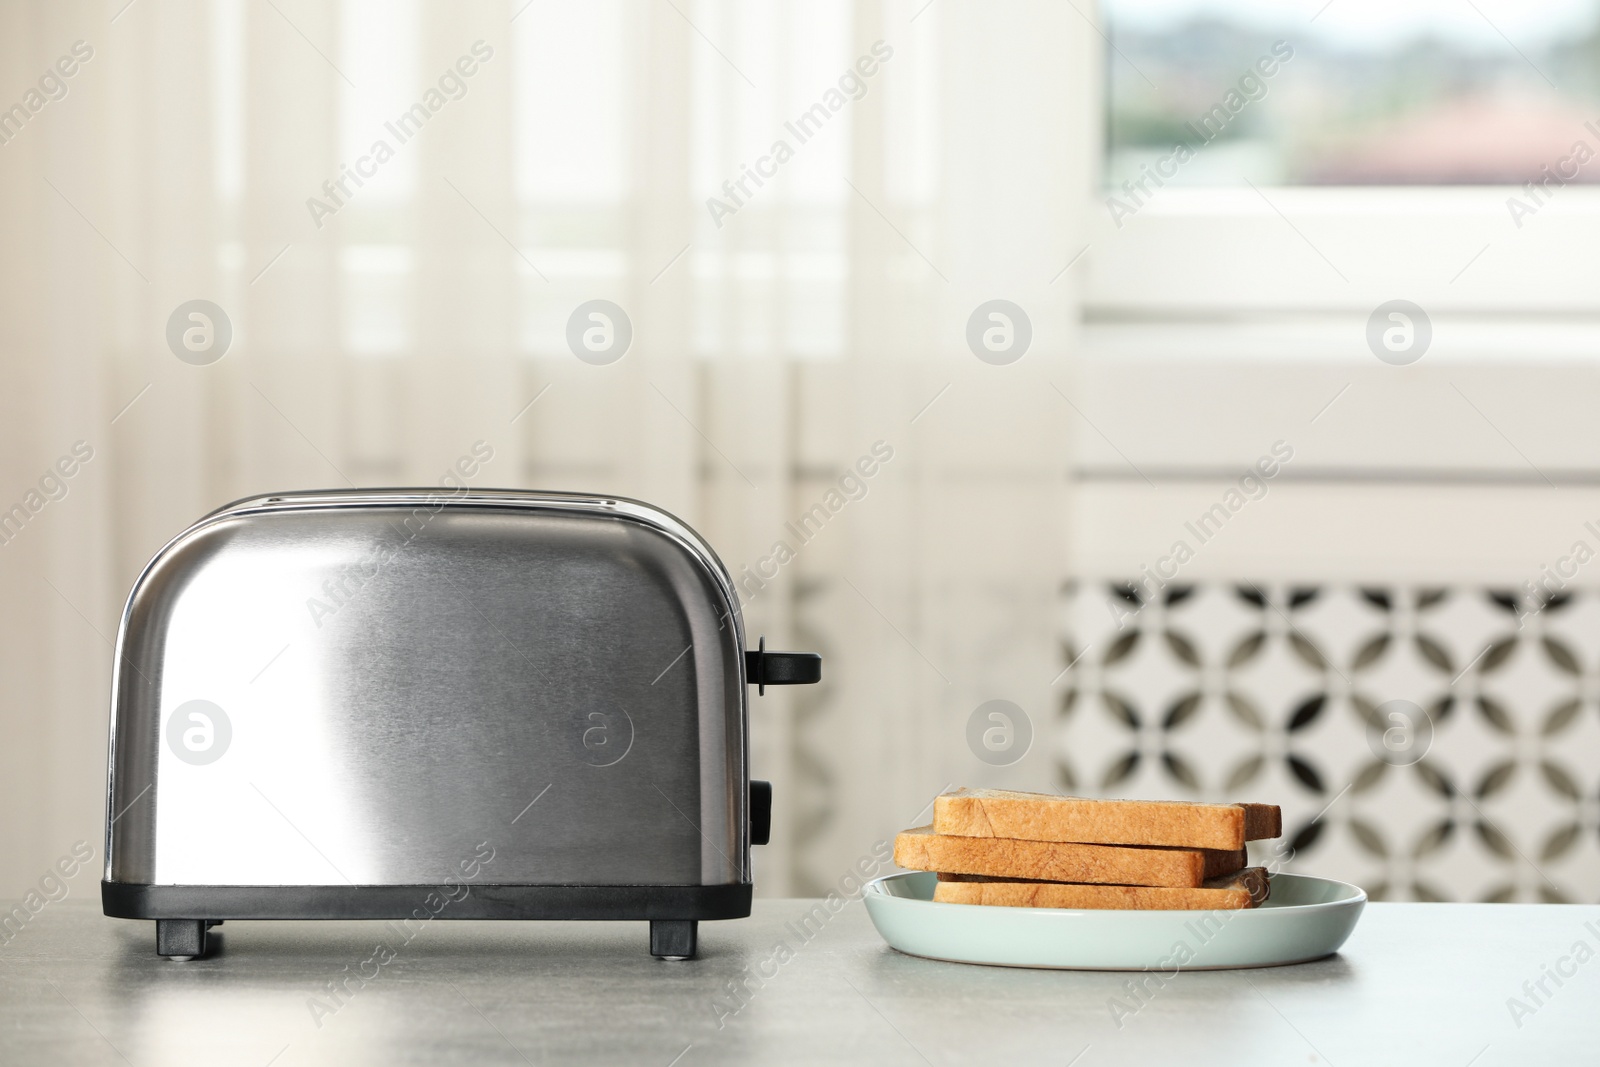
x=673 y=939
x=182 y=940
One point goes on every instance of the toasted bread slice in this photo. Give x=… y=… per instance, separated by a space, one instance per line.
x=1242 y=889
x=923 y=850
x=1043 y=817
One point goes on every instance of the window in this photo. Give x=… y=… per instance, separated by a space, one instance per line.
x=1354 y=92
x=1334 y=154
x=1228 y=305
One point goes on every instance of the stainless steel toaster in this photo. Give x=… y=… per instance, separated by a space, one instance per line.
x=412 y=704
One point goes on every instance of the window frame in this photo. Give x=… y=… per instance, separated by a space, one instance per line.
x=1210 y=252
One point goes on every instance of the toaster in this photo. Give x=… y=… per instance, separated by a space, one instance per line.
x=414 y=704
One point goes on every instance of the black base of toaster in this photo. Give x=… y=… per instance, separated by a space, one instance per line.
x=672 y=910
x=124 y=900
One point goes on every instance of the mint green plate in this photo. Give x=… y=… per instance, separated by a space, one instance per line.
x=1303 y=919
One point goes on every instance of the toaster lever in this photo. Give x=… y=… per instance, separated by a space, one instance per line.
x=763 y=668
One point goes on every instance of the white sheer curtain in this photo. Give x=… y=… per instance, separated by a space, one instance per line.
x=428 y=312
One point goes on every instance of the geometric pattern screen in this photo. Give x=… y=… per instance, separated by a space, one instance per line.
x=1424 y=743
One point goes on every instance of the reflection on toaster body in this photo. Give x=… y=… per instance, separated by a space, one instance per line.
x=340 y=593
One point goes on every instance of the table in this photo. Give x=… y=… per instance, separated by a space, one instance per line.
x=1415 y=984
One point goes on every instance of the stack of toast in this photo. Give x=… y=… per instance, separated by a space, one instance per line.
x=1035 y=850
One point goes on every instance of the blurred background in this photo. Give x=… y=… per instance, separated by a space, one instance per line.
x=1340 y=276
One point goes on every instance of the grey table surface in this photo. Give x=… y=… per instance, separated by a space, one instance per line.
x=1415 y=984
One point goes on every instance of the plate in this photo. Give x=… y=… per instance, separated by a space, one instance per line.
x=1304 y=918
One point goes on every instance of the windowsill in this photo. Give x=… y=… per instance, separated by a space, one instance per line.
x=1446 y=200
x=1218 y=252
x=1120 y=336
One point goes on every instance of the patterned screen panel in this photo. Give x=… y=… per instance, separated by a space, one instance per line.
x=1425 y=743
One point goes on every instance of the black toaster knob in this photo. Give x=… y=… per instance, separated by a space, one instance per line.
x=760 y=812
